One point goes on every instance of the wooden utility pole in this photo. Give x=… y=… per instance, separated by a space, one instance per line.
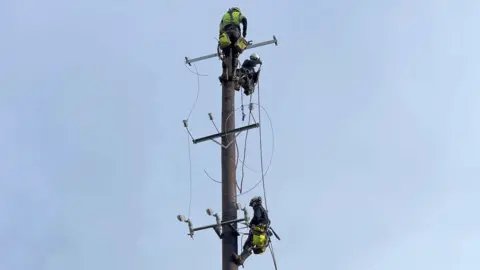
x=229 y=184
x=226 y=227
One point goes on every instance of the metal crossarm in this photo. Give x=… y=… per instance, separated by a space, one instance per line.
x=255 y=45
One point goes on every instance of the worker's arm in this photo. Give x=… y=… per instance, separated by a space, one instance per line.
x=265 y=216
x=244 y=23
x=257 y=216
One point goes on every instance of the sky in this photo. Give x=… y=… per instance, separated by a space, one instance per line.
x=375 y=142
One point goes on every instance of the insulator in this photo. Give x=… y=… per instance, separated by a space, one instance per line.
x=185 y=123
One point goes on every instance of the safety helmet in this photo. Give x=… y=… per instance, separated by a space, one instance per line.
x=254 y=57
x=255 y=200
x=237 y=9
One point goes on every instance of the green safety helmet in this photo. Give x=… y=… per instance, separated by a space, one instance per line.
x=255 y=200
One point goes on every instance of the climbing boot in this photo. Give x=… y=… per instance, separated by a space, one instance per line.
x=247 y=92
x=236 y=259
x=222 y=78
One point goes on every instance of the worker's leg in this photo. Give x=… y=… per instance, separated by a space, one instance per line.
x=247 y=83
x=252 y=81
x=234 y=34
x=226 y=53
x=241 y=74
x=247 y=248
x=248 y=242
x=247 y=251
x=224 y=71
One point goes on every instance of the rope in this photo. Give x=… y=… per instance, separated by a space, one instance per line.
x=261 y=150
x=272 y=252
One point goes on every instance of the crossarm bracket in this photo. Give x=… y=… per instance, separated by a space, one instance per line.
x=221 y=134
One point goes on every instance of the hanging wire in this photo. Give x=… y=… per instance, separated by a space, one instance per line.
x=190 y=136
x=245 y=145
x=236 y=152
x=198 y=87
x=261 y=146
x=195 y=72
x=264 y=172
x=244 y=163
x=273 y=150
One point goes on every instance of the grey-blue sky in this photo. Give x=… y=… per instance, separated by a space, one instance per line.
x=375 y=113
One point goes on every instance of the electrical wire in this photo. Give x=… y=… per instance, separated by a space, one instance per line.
x=263 y=172
x=190 y=136
x=273 y=150
x=245 y=144
x=195 y=72
x=271 y=156
x=191 y=178
x=193 y=107
x=237 y=152
x=198 y=88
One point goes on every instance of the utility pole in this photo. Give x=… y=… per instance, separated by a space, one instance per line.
x=226 y=230
x=229 y=177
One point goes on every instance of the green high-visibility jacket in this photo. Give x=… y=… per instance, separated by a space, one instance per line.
x=233 y=18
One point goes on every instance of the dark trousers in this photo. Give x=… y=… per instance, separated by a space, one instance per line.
x=248 y=243
x=233 y=33
x=248 y=79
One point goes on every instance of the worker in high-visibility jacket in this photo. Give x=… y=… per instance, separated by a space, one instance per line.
x=230 y=38
x=259 y=236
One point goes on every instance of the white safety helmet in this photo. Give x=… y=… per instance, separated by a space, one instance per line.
x=254 y=57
